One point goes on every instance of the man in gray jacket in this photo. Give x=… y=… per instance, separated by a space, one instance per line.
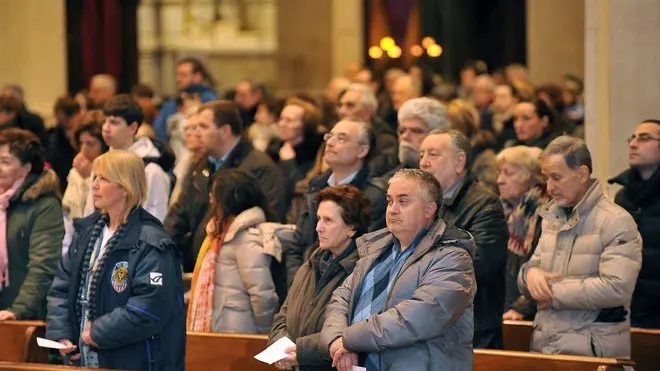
x=583 y=271
x=409 y=302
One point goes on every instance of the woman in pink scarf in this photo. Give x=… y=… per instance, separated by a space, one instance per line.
x=31 y=226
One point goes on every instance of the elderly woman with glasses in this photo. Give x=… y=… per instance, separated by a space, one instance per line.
x=343 y=215
x=522 y=190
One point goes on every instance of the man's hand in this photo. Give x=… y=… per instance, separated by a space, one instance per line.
x=347 y=361
x=6 y=315
x=538 y=286
x=512 y=315
x=289 y=362
x=87 y=336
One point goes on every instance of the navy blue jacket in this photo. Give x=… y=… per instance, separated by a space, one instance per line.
x=140 y=322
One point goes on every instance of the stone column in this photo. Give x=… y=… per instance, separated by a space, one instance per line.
x=33 y=35
x=622 y=63
x=315 y=41
x=555 y=39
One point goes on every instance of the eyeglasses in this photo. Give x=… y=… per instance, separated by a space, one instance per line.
x=341 y=137
x=643 y=138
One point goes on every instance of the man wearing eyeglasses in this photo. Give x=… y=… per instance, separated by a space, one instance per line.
x=640 y=196
x=347 y=151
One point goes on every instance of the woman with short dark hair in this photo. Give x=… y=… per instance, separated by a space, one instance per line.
x=30 y=222
x=344 y=214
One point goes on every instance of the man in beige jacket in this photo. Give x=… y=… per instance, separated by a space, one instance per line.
x=583 y=272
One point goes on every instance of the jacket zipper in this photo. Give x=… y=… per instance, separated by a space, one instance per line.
x=149 y=359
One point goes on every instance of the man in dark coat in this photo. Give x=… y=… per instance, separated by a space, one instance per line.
x=469 y=205
x=640 y=196
x=220 y=129
x=348 y=147
x=358 y=100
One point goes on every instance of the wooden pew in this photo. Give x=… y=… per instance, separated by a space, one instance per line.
x=234 y=352
x=15 y=366
x=517 y=335
x=645 y=343
x=19 y=341
x=503 y=360
x=225 y=352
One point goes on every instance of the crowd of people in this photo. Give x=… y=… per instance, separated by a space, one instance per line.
x=394 y=222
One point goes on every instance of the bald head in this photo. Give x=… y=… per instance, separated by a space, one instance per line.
x=405 y=87
x=101 y=88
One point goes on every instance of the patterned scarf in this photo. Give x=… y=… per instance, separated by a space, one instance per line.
x=200 y=309
x=86 y=269
x=522 y=220
x=4 y=254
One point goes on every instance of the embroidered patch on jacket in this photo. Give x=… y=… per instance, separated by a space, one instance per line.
x=120 y=276
x=156 y=278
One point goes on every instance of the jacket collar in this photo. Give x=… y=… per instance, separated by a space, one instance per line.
x=247 y=219
x=555 y=214
x=321 y=181
x=374 y=243
x=134 y=233
x=37 y=185
x=347 y=262
x=464 y=185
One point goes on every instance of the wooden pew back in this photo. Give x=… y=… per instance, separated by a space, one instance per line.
x=234 y=352
x=225 y=352
x=645 y=344
x=19 y=341
x=502 y=360
x=15 y=366
x=645 y=348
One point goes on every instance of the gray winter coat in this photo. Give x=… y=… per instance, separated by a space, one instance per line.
x=428 y=320
x=244 y=298
x=598 y=251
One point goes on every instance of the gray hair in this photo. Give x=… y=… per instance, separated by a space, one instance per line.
x=429 y=111
x=525 y=157
x=459 y=141
x=573 y=150
x=364 y=138
x=487 y=82
x=430 y=187
x=367 y=96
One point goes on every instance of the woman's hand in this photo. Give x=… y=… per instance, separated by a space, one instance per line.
x=70 y=348
x=289 y=362
x=6 y=315
x=87 y=336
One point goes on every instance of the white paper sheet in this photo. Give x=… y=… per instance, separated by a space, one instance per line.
x=275 y=352
x=45 y=343
x=358 y=368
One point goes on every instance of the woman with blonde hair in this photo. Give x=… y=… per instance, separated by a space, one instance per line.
x=116 y=300
x=464 y=117
x=522 y=190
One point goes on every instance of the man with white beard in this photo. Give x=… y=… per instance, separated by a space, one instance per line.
x=417 y=117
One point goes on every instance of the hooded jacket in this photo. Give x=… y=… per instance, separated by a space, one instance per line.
x=35 y=229
x=159 y=183
x=141 y=320
x=427 y=323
